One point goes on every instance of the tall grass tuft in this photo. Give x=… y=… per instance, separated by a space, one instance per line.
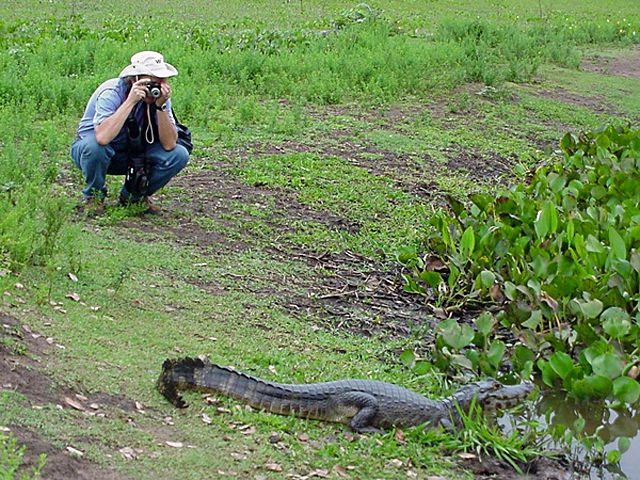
x=33 y=213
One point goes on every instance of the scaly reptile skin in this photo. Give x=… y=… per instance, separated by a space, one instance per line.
x=365 y=405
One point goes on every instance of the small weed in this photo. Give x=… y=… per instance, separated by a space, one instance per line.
x=10 y=458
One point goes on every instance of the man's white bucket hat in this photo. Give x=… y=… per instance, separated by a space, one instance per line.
x=149 y=63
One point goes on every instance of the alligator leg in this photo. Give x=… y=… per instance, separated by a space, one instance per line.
x=367 y=406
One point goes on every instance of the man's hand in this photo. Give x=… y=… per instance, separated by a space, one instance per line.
x=138 y=91
x=165 y=93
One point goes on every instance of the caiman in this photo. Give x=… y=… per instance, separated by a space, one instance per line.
x=365 y=405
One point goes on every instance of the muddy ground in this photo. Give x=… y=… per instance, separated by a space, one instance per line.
x=362 y=296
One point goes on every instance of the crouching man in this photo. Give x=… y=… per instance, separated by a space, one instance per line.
x=128 y=129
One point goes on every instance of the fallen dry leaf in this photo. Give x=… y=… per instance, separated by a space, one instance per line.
x=128 y=453
x=399 y=436
x=274 y=467
x=74 y=404
x=340 y=471
x=466 y=456
x=206 y=419
x=496 y=293
x=440 y=313
x=75 y=451
x=73 y=277
x=175 y=444
x=321 y=472
x=73 y=296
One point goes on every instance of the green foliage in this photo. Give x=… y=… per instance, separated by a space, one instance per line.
x=559 y=256
x=359 y=54
x=483 y=436
x=33 y=214
x=10 y=457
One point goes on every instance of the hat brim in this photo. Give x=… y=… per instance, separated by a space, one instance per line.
x=164 y=70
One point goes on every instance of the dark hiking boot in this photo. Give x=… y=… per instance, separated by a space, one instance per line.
x=93 y=207
x=151 y=209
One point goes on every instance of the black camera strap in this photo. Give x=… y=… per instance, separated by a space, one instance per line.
x=136 y=180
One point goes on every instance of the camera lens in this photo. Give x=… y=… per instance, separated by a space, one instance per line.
x=153 y=89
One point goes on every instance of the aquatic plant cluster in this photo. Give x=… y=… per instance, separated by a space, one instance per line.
x=559 y=256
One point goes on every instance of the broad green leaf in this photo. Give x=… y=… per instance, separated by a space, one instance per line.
x=487 y=278
x=407 y=255
x=597 y=348
x=580 y=246
x=556 y=182
x=613 y=457
x=591 y=309
x=467 y=243
x=495 y=353
x=615 y=322
x=473 y=356
x=608 y=365
x=594 y=245
x=624 y=443
x=408 y=358
x=482 y=200
x=456 y=335
x=582 y=389
x=603 y=141
x=598 y=191
x=618 y=248
x=523 y=354
x=422 y=367
x=534 y=320
x=431 y=278
x=549 y=376
x=484 y=323
x=626 y=389
x=579 y=424
x=622 y=267
x=561 y=364
x=599 y=385
x=546 y=221
x=461 y=361
x=510 y=290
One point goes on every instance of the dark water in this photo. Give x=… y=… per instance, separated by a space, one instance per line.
x=554 y=408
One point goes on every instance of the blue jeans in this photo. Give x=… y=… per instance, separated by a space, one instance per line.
x=97 y=161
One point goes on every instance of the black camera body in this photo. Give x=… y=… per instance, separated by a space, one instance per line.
x=154 y=89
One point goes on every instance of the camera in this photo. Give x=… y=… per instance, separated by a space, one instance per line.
x=154 y=89
x=136 y=178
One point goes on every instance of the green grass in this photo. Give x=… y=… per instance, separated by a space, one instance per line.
x=421 y=84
